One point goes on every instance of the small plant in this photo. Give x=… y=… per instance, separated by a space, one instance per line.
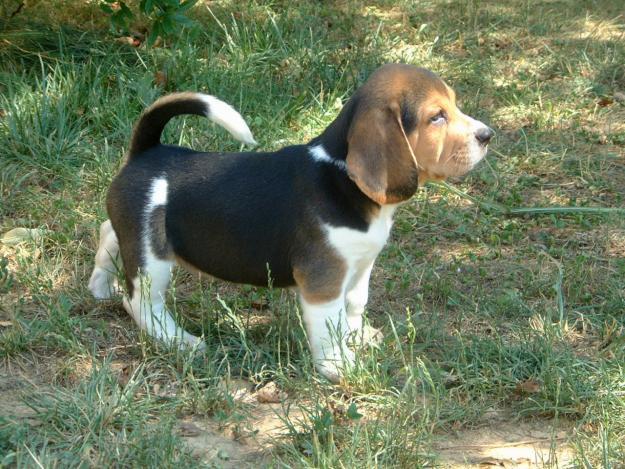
x=6 y=279
x=166 y=16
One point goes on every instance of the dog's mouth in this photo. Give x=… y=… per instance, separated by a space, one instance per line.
x=463 y=161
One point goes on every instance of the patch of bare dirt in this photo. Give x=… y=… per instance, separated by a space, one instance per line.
x=245 y=444
x=212 y=445
x=518 y=445
x=11 y=387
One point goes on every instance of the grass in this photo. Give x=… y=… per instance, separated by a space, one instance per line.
x=501 y=296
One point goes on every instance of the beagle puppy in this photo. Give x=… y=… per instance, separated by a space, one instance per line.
x=312 y=216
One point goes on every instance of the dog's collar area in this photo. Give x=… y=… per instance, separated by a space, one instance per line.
x=319 y=153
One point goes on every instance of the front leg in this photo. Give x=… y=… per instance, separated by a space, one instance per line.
x=328 y=330
x=357 y=296
x=356 y=300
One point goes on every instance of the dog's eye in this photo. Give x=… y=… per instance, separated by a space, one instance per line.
x=439 y=118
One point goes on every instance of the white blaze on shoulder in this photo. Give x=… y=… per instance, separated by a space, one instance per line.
x=320 y=154
x=223 y=114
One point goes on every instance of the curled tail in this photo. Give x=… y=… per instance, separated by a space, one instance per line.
x=147 y=132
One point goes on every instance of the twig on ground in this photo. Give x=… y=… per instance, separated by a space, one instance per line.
x=503 y=445
x=520 y=211
x=17 y=10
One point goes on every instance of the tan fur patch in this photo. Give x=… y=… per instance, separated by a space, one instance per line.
x=191 y=268
x=442 y=151
x=128 y=235
x=320 y=277
x=158 y=236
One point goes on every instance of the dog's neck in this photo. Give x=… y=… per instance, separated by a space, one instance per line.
x=334 y=137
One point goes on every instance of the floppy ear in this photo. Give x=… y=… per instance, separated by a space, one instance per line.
x=379 y=159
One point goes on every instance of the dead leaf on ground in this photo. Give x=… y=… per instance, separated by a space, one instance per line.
x=128 y=40
x=160 y=78
x=260 y=304
x=270 y=394
x=167 y=391
x=124 y=373
x=605 y=101
x=189 y=429
x=6 y=323
x=490 y=462
x=529 y=386
x=125 y=40
x=506 y=463
x=19 y=235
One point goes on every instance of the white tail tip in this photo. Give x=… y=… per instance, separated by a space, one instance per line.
x=223 y=114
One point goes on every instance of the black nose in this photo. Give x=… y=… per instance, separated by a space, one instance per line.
x=484 y=135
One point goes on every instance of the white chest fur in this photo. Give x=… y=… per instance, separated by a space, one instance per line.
x=358 y=247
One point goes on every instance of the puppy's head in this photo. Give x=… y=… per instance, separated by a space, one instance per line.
x=405 y=128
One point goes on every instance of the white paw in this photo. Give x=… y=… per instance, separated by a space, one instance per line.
x=335 y=364
x=194 y=342
x=180 y=340
x=175 y=336
x=103 y=285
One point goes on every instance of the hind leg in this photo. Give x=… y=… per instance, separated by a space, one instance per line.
x=146 y=304
x=103 y=282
